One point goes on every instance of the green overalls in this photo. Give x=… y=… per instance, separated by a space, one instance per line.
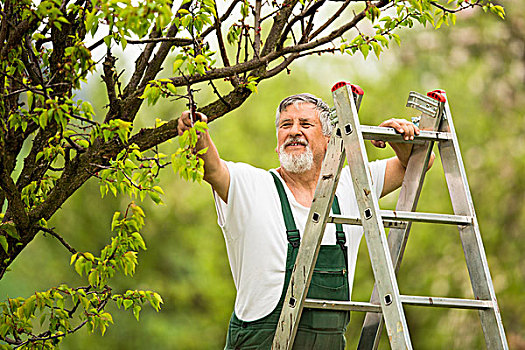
x=318 y=329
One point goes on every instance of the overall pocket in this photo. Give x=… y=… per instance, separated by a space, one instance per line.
x=330 y=284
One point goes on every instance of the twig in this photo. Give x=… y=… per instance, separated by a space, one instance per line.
x=220 y=40
x=175 y=41
x=330 y=20
x=219 y=95
x=222 y=19
x=257 y=29
x=57 y=236
x=463 y=7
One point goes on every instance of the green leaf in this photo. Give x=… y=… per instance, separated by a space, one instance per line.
x=376 y=47
x=136 y=311
x=127 y=303
x=155 y=197
x=10 y=229
x=79 y=265
x=139 y=240
x=171 y=88
x=364 y=50
x=3 y=243
x=89 y=256
x=93 y=278
x=115 y=220
x=158 y=189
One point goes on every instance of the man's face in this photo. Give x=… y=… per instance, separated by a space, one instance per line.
x=299 y=128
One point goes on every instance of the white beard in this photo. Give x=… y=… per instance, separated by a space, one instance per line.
x=296 y=163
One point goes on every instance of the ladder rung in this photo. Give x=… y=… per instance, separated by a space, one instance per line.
x=341 y=305
x=339 y=219
x=405 y=299
x=446 y=302
x=426 y=217
x=389 y=134
x=396 y=219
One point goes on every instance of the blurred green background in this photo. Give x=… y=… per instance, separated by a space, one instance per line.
x=480 y=63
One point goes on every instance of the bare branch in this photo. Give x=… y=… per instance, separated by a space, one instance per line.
x=220 y=40
x=155 y=64
x=57 y=236
x=219 y=95
x=279 y=22
x=16 y=208
x=225 y=16
x=309 y=11
x=462 y=6
x=257 y=29
x=174 y=41
x=141 y=64
x=330 y=20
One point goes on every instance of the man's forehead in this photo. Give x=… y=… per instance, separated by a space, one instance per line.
x=299 y=105
x=301 y=109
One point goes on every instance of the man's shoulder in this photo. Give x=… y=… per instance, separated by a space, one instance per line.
x=240 y=169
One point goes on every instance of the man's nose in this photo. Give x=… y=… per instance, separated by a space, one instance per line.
x=295 y=129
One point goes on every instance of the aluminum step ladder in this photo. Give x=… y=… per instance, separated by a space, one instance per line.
x=386 y=304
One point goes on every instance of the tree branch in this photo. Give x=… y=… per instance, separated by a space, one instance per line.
x=141 y=63
x=278 y=24
x=331 y=19
x=174 y=41
x=306 y=12
x=57 y=236
x=220 y=40
x=109 y=78
x=16 y=208
x=225 y=16
x=257 y=28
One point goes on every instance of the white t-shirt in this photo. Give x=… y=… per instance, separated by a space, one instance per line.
x=255 y=233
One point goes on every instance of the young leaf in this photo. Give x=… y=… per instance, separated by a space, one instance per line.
x=3 y=243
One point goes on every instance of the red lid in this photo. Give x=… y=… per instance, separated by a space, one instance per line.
x=339 y=85
x=436 y=95
x=356 y=89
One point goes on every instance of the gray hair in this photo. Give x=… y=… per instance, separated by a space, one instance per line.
x=320 y=106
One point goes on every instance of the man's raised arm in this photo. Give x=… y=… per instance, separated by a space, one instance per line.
x=215 y=170
x=396 y=166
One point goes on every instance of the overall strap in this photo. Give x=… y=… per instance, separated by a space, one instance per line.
x=340 y=234
x=292 y=233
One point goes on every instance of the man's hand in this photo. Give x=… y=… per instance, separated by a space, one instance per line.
x=185 y=121
x=402 y=126
x=215 y=170
x=395 y=167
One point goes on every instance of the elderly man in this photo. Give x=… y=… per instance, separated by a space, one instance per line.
x=263 y=213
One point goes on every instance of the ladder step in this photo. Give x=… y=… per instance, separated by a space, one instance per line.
x=396 y=219
x=405 y=299
x=341 y=305
x=426 y=217
x=446 y=302
x=389 y=134
x=339 y=219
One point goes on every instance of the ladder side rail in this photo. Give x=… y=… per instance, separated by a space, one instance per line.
x=470 y=235
x=311 y=241
x=372 y=223
x=398 y=237
x=309 y=248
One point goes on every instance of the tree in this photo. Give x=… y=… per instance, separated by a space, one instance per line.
x=46 y=51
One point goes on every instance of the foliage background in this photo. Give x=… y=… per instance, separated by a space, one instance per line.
x=481 y=65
